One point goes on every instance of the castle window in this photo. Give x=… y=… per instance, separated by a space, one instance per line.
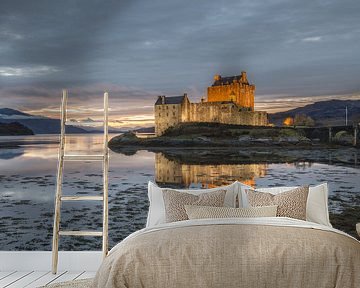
x=167 y=114
x=173 y=113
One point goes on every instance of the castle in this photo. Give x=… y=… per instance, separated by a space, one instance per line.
x=230 y=100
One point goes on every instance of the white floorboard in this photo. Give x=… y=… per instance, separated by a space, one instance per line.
x=28 y=279
x=34 y=279
x=12 y=278
x=68 y=276
x=4 y=274
x=41 y=260
x=87 y=275
x=48 y=278
x=31 y=269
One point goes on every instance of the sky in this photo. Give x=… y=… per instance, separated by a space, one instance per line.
x=295 y=52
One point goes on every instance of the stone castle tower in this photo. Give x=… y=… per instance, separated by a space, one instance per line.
x=230 y=100
x=235 y=89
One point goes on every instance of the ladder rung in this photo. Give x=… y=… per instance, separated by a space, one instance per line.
x=80 y=233
x=84 y=157
x=82 y=198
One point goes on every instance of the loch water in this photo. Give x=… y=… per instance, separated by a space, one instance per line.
x=28 y=179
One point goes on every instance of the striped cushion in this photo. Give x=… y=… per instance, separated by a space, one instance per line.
x=201 y=212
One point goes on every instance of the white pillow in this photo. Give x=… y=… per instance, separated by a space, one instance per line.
x=156 y=213
x=243 y=200
x=317 y=203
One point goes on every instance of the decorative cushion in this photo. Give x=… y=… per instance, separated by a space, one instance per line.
x=317 y=210
x=290 y=203
x=175 y=202
x=156 y=213
x=201 y=212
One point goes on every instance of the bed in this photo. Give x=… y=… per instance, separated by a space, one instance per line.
x=232 y=252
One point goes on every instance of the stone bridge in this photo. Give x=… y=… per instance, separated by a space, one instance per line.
x=332 y=134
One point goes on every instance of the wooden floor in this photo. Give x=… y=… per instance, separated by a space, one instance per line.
x=32 y=268
x=31 y=279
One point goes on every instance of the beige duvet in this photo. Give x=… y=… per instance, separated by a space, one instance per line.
x=273 y=252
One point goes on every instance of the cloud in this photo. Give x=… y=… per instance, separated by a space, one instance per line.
x=140 y=49
x=125 y=103
x=26 y=71
x=312 y=39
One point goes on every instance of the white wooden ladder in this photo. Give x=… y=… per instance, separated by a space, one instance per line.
x=59 y=198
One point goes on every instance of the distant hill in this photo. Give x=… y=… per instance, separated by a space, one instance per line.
x=12 y=112
x=14 y=128
x=324 y=113
x=38 y=124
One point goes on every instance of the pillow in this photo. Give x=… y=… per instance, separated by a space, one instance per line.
x=242 y=197
x=290 y=203
x=175 y=201
x=317 y=210
x=201 y=212
x=156 y=214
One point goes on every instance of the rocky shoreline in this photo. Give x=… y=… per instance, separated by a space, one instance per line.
x=206 y=135
x=195 y=149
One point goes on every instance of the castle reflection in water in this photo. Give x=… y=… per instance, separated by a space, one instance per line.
x=206 y=176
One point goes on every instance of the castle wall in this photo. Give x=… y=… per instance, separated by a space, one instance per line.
x=226 y=113
x=241 y=94
x=185 y=110
x=167 y=115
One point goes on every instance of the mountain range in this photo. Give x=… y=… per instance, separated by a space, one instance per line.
x=46 y=125
x=324 y=113
x=38 y=124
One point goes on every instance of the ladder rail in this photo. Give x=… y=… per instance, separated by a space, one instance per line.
x=105 y=178
x=56 y=227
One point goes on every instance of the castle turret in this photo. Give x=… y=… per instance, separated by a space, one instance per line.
x=217 y=77
x=234 y=88
x=243 y=77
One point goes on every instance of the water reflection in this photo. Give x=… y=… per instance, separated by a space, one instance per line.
x=28 y=177
x=7 y=154
x=205 y=176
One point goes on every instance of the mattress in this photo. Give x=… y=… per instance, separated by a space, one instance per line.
x=233 y=252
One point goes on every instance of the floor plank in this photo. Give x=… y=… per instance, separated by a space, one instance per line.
x=32 y=279
x=5 y=274
x=45 y=279
x=86 y=275
x=27 y=280
x=68 y=276
x=5 y=282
